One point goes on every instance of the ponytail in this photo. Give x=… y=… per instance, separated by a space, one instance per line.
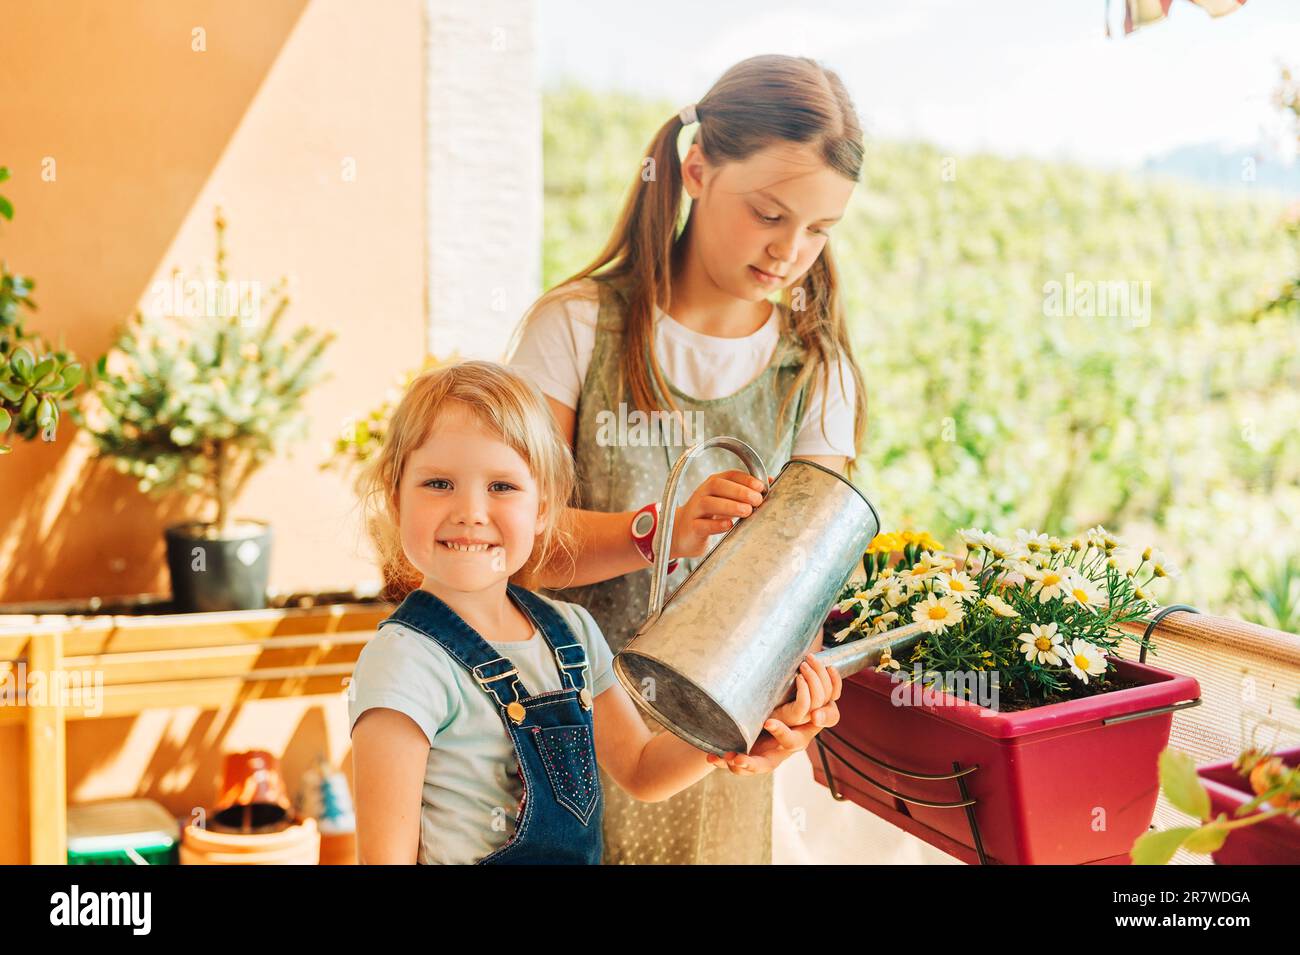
x=759 y=101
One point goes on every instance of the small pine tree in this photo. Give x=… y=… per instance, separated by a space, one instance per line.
x=200 y=402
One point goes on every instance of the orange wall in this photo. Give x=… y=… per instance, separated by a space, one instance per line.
x=147 y=135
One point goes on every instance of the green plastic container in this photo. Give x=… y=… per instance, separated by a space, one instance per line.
x=122 y=832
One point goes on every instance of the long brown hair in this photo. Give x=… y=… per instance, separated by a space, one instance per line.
x=758 y=102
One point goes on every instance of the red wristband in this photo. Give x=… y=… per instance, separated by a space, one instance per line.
x=644 y=525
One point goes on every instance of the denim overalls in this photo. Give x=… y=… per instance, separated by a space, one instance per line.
x=559 y=821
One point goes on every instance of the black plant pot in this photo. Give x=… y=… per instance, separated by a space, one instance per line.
x=218 y=573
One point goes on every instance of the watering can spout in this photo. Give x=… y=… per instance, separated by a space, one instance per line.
x=849 y=658
x=716 y=657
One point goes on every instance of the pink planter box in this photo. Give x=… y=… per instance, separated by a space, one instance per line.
x=1069 y=783
x=1276 y=842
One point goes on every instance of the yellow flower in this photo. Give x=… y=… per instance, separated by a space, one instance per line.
x=883 y=544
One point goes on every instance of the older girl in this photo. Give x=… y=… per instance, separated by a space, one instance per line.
x=682 y=320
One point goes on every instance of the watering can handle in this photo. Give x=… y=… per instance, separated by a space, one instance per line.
x=753 y=461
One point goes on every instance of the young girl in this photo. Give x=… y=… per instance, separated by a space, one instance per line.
x=681 y=320
x=480 y=710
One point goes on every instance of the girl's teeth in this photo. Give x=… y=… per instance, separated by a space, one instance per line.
x=468 y=548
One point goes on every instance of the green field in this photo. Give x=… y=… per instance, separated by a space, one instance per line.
x=987 y=406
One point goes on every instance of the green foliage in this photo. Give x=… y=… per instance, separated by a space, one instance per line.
x=1287 y=299
x=1270 y=594
x=984 y=410
x=199 y=402
x=6 y=207
x=1272 y=782
x=35 y=380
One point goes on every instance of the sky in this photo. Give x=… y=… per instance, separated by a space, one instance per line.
x=1017 y=77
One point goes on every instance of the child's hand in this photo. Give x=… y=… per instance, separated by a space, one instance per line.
x=816 y=688
x=773 y=747
x=713 y=507
x=813 y=709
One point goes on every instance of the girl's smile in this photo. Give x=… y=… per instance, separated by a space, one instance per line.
x=469 y=506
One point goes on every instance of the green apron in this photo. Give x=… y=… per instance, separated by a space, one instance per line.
x=722 y=819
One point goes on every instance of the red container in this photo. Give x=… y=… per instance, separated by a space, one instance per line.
x=1276 y=842
x=1069 y=783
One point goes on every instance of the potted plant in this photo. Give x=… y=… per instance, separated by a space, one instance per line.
x=1247 y=809
x=1009 y=727
x=194 y=398
x=35 y=380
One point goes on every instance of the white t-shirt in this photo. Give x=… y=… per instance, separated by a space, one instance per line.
x=555 y=351
x=470 y=800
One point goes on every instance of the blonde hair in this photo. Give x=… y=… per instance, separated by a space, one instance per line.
x=758 y=102
x=507 y=406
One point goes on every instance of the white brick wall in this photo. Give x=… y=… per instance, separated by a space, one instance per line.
x=483 y=172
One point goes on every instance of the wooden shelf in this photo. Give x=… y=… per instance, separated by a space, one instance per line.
x=112 y=665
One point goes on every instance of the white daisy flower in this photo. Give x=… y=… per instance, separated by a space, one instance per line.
x=1032 y=541
x=1049 y=582
x=1085 y=658
x=1000 y=606
x=973 y=538
x=1162 y=565
x=839 y=635
x=959 y=585
x=894 y=595
x=1005 y=549
x=1101 y=538
x=936 y=561
x=860 y=599
x=1043 y=643
x=1080 y=590
x=937 y=614
x=884 y=622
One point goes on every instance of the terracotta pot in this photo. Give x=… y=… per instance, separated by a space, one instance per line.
x=1276 y=842
x=1068 y=783
x=297 y=845
x=253 y=795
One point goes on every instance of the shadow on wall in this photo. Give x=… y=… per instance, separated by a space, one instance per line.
x=114 y=117
x=183 y=774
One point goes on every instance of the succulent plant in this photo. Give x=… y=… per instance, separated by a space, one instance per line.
x=199 y=402
x=35 y=380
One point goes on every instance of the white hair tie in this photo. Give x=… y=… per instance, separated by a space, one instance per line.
x=688 y=115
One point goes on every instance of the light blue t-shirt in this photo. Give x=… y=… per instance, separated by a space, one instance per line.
x=472 y=788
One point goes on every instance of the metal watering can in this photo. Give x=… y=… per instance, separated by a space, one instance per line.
x=714 y=659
